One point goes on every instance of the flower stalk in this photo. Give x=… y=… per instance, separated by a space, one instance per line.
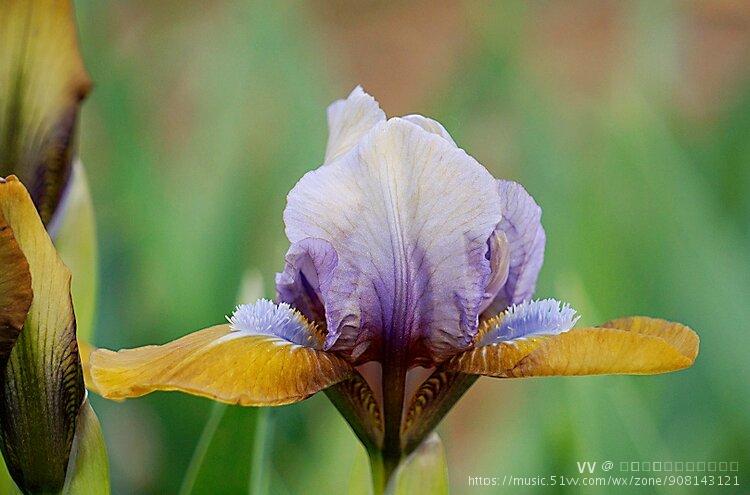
x=379 y=470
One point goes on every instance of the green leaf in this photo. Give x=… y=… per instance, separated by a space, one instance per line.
x=229 y=429
x=75 y=240
x=88 y=468
x=423 y=471
x=360 y=482
x=243 y=432
x=7 y=485
x=260 y=472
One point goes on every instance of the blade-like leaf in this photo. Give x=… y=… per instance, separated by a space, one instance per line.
x=360 y=479
x=242 y=431
x=7 y=485
x=239 y=430
x=205 y=441
x=88 y=468
x=42 y=82
x=41 y=389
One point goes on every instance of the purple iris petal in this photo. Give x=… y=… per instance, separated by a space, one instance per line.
x=349 y=120
x=408 y=215
x=525 y=236
x=499 y=256
x=307 y=273
x=264 y=317
x=530 y=319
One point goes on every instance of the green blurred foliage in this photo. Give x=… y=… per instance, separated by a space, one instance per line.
x=204 y=115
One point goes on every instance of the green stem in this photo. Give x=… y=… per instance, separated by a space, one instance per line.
x=259 y=472
x=382 y=468
x=377 y=472
x=209 y=430
x=393 y=386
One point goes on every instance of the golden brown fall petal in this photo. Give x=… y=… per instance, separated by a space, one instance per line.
x=636 y=345
x=678 y=335
x=220 y=364
x=85 y=349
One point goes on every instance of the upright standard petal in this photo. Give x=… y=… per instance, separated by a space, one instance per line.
x=430 y=125
x=42 y=82
x=525 y=236
x=42 y=385
x=268 y=355
x=349 y=120
x=409 y=216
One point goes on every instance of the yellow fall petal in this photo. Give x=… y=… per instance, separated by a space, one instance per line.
x=636 y=345
x=84 y=350
x=678 y=335
x=217 y=363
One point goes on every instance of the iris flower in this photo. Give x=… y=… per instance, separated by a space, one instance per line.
x=410 y=272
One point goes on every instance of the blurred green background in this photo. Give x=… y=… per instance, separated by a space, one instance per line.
x=629 y=122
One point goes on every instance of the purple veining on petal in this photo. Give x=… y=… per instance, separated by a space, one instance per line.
x=523 y=230
x=264 y=317
x=409 y=216
x=307 y=273
x=530 y=319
